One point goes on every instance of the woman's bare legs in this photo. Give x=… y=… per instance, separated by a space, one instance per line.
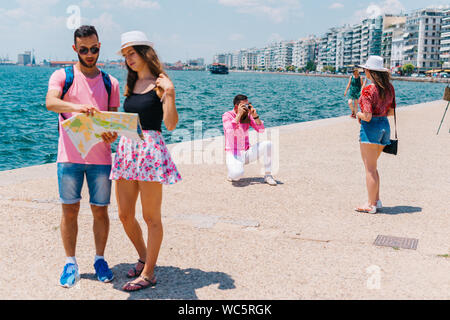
x=370 y=154
x=350 y=105
x=151 y=199
x=355 y=106
x=127 y=193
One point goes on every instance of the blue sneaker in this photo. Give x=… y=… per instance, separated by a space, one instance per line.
x=70 y=275
x=104 y=274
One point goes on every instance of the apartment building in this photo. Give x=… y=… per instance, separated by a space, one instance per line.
x=356 y=44
x=444 y=52
x=422 y=39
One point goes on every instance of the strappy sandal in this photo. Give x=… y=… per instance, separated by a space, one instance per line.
x=367 y=209
x=143 y=283
x=133 y=272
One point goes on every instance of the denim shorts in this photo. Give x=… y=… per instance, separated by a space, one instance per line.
x=71 y=178
x=376 y=131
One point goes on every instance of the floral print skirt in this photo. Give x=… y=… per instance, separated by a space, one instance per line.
x=147 y=160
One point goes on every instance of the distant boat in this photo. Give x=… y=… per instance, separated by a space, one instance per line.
x=218 y=68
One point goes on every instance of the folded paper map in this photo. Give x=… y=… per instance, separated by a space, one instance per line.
x=85 y=131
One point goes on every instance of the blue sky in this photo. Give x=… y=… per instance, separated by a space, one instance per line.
x=180 y=29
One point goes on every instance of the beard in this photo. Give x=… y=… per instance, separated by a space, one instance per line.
x=85 y=64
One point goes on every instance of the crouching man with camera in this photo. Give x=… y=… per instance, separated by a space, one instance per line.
x=236 y=124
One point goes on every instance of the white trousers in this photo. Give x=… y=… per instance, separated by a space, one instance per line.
x=235 y=163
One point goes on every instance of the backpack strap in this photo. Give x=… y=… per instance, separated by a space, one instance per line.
x=69 y=80
x=108 y=85
x=67 y=84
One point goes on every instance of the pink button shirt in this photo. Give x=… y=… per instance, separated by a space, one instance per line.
x=84 y=91
x=236 y=134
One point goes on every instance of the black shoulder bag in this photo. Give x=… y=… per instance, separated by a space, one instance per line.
x=392 y=148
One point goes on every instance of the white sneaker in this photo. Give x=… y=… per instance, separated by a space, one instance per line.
x=379 y=204
x=270 y=180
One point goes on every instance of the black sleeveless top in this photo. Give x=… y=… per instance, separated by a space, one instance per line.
x=148 y=106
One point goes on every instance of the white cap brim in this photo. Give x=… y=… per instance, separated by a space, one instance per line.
x=134 y=43
x=374 y=69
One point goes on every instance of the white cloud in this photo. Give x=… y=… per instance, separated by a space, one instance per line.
x=336 y=5
x=277 y=10
x=129 y=4
x=146 y=4
x=87 y=4
x=275 y=37
x=105 y=24
x=236 y=37
x=18 y=13
x=385 y=7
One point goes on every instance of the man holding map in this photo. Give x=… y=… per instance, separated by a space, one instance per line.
x=83 y=88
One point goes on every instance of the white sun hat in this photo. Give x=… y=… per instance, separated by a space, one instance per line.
x=133 y=38
x=374 y=63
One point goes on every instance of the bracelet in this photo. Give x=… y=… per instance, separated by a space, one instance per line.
x=256 y=118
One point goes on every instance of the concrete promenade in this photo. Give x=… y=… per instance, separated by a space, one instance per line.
x=248 y=240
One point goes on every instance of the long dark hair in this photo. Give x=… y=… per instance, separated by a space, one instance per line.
x=382 y=81
x=154 y=64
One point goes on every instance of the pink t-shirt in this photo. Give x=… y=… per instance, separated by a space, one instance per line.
x=84 y=91
x=236 y=134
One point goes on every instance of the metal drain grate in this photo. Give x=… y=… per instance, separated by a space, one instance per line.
x=389 y=241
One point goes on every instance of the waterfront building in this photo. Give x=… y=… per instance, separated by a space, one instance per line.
x=219 y=58
x=348 y=47
x=24 y=58
x=397 y=42
x=393 y=27
x=331 y=47
x=199 y=62
x=62 y=64
x=371 y=32
x=261 y=61
x=309 y=51
x=444 y=52
x=322 y=54
x=286 y=53
x=305 y=50
x=235 y=60
x=344 y=38
x=422 y=39
x=356 y=45
x=248 y=59
x=270 y=55
x=297 y=53
x=339 y=64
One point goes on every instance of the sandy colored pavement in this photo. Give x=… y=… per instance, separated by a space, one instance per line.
x=248 y=240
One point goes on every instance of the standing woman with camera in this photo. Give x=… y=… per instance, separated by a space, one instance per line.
x=377 y=102
x=143 y=167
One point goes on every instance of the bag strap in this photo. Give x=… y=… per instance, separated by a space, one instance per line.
x=69 y=80
x=395 y=123
x=68 y=83
x=108 y=84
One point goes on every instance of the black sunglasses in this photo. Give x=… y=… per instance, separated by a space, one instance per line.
x=84 y=50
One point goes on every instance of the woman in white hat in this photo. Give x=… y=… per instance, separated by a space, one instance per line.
x=377 y=102
x=142 y=167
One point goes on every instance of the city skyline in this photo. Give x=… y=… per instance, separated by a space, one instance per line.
x=419 y=38
x=179 y=30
